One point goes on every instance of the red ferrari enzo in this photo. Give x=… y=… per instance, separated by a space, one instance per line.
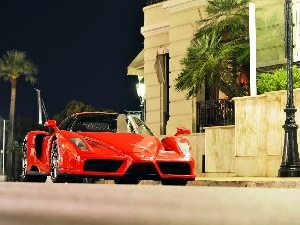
x=89 y=146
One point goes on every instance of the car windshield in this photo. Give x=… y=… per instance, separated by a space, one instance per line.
x=97 y=122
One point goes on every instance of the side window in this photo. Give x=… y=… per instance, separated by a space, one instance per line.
x=66 y=124
x=138 y=126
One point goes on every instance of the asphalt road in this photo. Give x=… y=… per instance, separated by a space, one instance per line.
x=88 y=204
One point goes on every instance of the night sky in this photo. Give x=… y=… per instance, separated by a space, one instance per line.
x=81 y=47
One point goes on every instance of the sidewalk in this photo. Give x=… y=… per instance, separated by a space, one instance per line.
x=266 y=182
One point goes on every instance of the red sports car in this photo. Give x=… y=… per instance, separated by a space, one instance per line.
x=95 y=145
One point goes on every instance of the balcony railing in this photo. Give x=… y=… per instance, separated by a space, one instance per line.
x=214 y=113
x=151 y=2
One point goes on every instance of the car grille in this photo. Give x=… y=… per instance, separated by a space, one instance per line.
x=177 y=168
x=102 y=165
x=142 y=171
x=142 y=168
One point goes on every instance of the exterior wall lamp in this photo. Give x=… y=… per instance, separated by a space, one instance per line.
x=140 y=89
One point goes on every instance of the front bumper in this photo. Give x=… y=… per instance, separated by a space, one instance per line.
x=122 y=167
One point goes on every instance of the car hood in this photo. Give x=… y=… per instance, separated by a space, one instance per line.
x=133 y=145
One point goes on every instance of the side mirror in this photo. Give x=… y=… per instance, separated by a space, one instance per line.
x=50 y=123
x=182 y=130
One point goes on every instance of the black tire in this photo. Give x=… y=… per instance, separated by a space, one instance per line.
x=174 y=182
x=90 y=180
x=126 y=181
x=24 y=175
x=54 y=158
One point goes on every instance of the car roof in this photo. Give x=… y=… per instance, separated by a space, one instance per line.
x=104 y=113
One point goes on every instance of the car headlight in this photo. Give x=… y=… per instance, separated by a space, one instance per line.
x=79 y=143
x=184 y=147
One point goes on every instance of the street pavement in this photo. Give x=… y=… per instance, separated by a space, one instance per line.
x=82 y=204
x=215 y=200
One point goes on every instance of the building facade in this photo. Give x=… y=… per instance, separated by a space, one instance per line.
x=169 y=27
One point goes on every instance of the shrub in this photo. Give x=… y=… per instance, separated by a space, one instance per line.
x=277 y=81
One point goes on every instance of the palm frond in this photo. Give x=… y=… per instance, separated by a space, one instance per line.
x=221 y=40
x=14 y=64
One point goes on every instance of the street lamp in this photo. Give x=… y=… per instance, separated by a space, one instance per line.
x=140 y=89
x=3 y=146
x=290 y=165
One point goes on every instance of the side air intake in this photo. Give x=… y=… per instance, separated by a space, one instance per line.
x=176 y=168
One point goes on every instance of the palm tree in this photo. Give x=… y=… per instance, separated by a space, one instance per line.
x=13 y=65
x=219 y=52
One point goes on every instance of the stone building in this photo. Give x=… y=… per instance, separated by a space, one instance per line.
x=169 y=27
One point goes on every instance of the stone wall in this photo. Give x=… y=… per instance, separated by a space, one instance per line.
x=250 y=148
x=259 y=133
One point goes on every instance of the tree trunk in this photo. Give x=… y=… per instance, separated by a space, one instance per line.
x=9 y=165
x=229 y=85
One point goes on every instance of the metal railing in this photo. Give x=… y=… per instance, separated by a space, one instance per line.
x=151 y=2
x=214 y=113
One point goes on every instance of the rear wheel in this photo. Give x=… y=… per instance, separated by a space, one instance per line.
x=54 y=159
x=24 y=176
x=174 y=182
x=126 y=181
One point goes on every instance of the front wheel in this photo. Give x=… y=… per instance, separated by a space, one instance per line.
x=54 y=159
x=24 y=175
